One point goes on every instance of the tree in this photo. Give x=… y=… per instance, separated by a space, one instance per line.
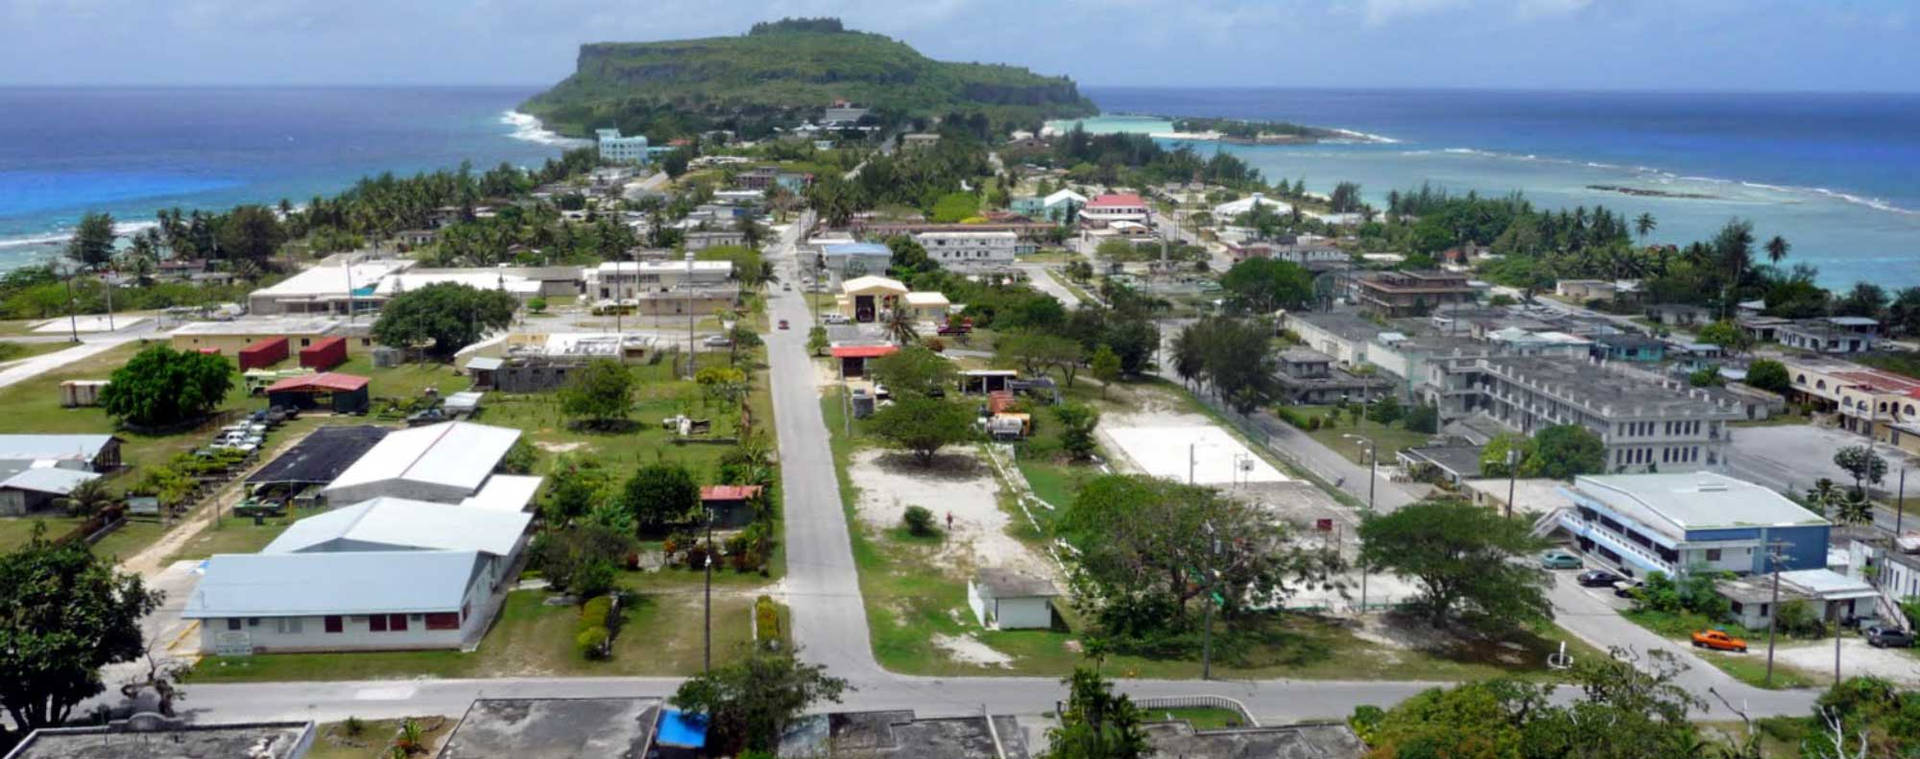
x=1777 y=250
x=1424 y=417
x=1106 y=368
x=817 y=342
x=250 y=233
x=1036 y=352
x=601 y=393
x=1462 y=556
x=1386 y=410
x=661 y=495
x=69 y=613
x=1861 y=462
x=922 y=425
x=741 y=336
x=914 y=371
x=1643 y=225
x=724 y=383
x=567 y=556
x=579 y=483
x=92 y=243
x=1865 y=299
x=442 y=317
x=901 y=327
x=1729 y=336
x=1260 y=286
x=748 y=703
x=1562 y=451
x=1234 y=358
x=1077 y=421
x=1097 y=723
x=675 y=163
x=89 y=498
x=160 y=386
x=919 y=520
x=1770 y=375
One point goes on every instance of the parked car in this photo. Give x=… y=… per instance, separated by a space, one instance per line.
x=783 y=324
x=1887 y=637
x=717 y=341
x=1558 y=559
x=786 y=286
x=1625 y=588
x=1598 y=578
x=834 y=318
x=1718 y=641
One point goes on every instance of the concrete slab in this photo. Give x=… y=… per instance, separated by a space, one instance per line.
x=1207 y=454
x=93 y=323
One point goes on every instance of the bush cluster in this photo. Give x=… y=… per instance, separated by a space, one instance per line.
x=593 y=636
x=766 y=615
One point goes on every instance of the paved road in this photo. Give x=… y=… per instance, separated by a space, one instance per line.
x=1042 y=279
x=91 y=344
x=1790 y=458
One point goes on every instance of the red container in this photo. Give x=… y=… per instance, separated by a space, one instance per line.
x=325 y=354
x=263 y=353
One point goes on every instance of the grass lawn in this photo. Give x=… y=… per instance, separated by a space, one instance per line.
x=1391 y=438
x=909 y=600
x=1202 y=717
x=235 y=535
x=12 y=351
x=1749 y=668
x=374 y=739
x=660 y=635
x=15 y=531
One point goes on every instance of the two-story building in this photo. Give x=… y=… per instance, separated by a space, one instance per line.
x=1872 y=402
x=1623 y=346
x=1677 y=523
x=970 y=251
x=1830 y=334
x=1309 y=377
x=1106 y=209
x=1410 y=293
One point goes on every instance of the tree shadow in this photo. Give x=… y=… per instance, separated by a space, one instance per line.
x=944 y=466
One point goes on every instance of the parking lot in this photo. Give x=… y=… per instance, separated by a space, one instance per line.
x=1790 y=458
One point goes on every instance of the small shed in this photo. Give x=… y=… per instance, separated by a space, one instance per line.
x=75 y=393
x=485 y=371
x=983 y=381
x=853 y=358
x=324 y=355
x=31 y=490
x=1008 y=600
x=731 y=505
x=462 y=405
x=263 y=353
x=342 y=393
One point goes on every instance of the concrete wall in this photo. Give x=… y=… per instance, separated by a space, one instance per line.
x=1023 y=613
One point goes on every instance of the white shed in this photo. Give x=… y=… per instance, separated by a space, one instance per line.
x=444 y=463
x=1007 y=600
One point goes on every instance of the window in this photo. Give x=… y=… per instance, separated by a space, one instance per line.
x=443 y=621
x=233 y=623
x=377 y=623
x=1713 y=554
x=288 y=625
x=333 y=624
x=397 y=622
x=304 y=341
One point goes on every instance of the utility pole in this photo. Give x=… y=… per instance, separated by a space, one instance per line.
x=691 y=348
x=1206 y=636
x=73 y=319
x=707 y=634
x=1773 y=609
x=1513 y=471
x=1900 y=504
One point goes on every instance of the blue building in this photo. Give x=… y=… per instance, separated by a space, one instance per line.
x=1675 y=523
x=618 y=149
x=1627 y=347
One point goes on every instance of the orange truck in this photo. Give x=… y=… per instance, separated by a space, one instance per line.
x=1718 y=641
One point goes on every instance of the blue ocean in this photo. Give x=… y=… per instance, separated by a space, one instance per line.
x=131 y=151
x=1837 y=175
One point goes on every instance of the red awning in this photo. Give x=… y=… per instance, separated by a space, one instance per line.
x=728 y=492
x=864 y=351
x=331 y=381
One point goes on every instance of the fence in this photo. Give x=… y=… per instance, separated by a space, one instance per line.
x=1147 y=705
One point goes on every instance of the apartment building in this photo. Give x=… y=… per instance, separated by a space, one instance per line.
x=1410 y=293
x=970 y=251
x=618 y=149
x=1873 y=402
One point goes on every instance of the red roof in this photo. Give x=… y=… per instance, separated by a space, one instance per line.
x=728 y=492
x=863 y=351
x=1112 y=201
x=322 y=381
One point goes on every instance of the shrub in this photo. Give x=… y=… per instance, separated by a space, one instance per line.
x=919 y=521
x=934 y=344
x=1313 y=423
x=537 y=305
x=594 y=579
x=592 y=642
x=766 y=615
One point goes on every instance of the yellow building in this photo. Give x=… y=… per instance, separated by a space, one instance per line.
x=928 y=307
x=863 y=299
x=1869 y=401
x=227 y=338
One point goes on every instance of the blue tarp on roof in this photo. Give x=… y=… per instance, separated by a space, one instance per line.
x=681 y=730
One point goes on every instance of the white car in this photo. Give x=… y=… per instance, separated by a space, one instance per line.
x=717 y=341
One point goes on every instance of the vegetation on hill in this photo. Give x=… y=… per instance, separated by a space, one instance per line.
x=783 y=72
x=1253 y=130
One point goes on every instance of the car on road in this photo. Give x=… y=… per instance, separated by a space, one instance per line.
x=717 y=341
x=787 y=286
x=1887 y=637
x=1719 y=641
x=1626 y=588
x=1598 y=578
x=783 y=324
x=1558 y=559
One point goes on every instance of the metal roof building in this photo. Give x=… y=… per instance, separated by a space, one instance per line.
x=315 y=584
x=441 y=462
x=398 y=524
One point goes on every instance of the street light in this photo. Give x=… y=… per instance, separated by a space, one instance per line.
x=1373 y=462
x=1212 y=576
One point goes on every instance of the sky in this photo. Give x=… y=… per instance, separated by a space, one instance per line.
x=1700 y=45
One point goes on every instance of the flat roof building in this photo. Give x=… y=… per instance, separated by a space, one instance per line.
x=899 y=733
x=1411 y=293
x=151 y=736
x=1674 y=523
x=554 y=728
x=970 y=251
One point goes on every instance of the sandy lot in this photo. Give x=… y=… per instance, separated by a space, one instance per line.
x=1856 y=658
x=959 y=485
x=1165 y=443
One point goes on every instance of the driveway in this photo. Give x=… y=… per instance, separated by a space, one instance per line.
x=1042 y=279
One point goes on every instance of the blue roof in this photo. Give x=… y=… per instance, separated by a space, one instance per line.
x=313 y=584
x=681 y=730
x=858 y=248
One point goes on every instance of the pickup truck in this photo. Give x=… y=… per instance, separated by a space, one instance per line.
x=1718 y=641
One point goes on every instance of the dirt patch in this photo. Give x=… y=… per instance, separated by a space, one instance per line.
x=968 y=650
x=1856 y=658
x=559 y=447
x=958 y=485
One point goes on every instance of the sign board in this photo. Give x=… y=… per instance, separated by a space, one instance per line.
x=233 y=643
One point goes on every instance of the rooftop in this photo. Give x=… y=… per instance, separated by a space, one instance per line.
x=1459 y=460
x=870 y=282
x=728 y=492
x=554 y=728
x=261 y=325
x=49 y=479
x=1584 y=383
x=42 y=447
x=329 y=381
x=1347 y=325
x=153 y=737
x=1006 y=583
x=321 y=456
x=1180 y=740
x=856 y=249
x=898 y=733
x=386 y=523
x=459 y=454
x=1678 y=503
x=314 y=584
x=334 y=281
x=1116 y=201
x=504 y=492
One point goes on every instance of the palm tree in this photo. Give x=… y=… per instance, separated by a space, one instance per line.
x=1644 y=225
x=88 y=498
x=1777 y=249
x=1854 y=509
x=900 y=326
x=1823 y=493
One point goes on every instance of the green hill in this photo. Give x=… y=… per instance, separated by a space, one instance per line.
x=781 y=73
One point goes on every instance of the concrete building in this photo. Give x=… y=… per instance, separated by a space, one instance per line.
x=1106 y=209
x=617 y=149
x=1646 y=424
x=445 y=462
x=151 y=736
x=863 y=299
x=367 y=600
x=630 y=279
x=1514 y=341
x=1006 y=600
x=554 y=728
x=1868 y=401
x=714 y=238
x=228 y=338
x=1344 y=335
x=1832 y=334
x=1622 y=346
x=1309 y=377
x=918 y=141
x=1830 y=596
x=1061 y=207
x=856 y=259
x=1411 y=293
x=1675 y=523
x=1179 y=739
x=518 y=286
x=842 y=115
x=970 y=251
x=334 y=288
x=899 y=733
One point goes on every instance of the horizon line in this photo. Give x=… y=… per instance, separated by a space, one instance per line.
x=1533 y=89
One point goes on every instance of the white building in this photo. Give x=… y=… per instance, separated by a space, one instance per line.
x=618 y=149
x=1007 y=600
x=1110 y=208
x=399 y=524
x=512 y=284
x=970 y=251
x=366 y=600
x=446 y=463
x=631 y=279
x=327 y=289
x=1232 y=209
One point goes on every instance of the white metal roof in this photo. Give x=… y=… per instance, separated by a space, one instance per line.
x=1677 y=503
x=479 y=280
x=55 y=480
x=406 y=524
x=504 y=492
x=927 y=299
x=313 y=584
x=263 y=326
x=458 y=454
x=334 y=280
x=37 y=447
x=870 y=282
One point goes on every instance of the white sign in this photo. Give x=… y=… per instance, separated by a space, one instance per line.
x=233 y=643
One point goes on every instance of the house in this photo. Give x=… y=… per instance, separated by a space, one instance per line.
x=332 y=391
x=29 y=490
x=1873 y=402
x=731 y=506
x=352 y=601
x=1308 y=376
x=93 y=453
x=229 y=338
x=862 y=299
x=842 y=115
x=1832 y=596
x=855 y=259
x=554 y=728
x=713 y=238
x=1676 y=523
x=1007 y=600
x=1831 y=334
x=316 y=460
x=340 y=286
x=1233 y=209
x=1179 y=739
x=1344 y=335
x=398 y=524
x=1060 y=207
x=928 y=306
x=986 y=381
x=1584 y=290
x=900 y=734
x=918 y=141
x=970 y=251
x=1896 y=564
x=1623 y=346
x=444 y=462
x=1679 y=314
x=853 y=358
x=1452 y=464
x=615 y=148
x=1106 y=209
x=1410 y=293
x=150 y=736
